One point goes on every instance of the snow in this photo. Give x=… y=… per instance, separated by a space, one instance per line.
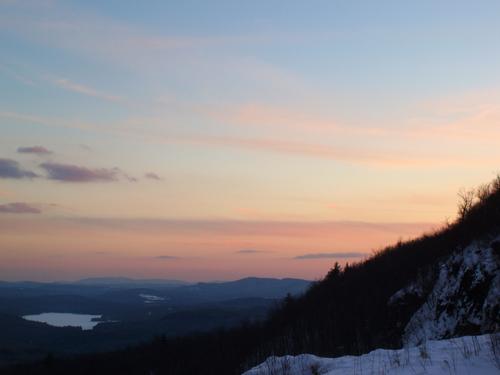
x=470 y=355
x=453 y=302
x=149 y=298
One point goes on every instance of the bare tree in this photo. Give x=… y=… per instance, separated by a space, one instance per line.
x=466 y=202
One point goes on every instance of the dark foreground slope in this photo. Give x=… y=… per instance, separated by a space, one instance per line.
x=352 y=310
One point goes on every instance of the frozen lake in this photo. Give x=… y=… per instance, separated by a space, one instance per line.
x=65 y=319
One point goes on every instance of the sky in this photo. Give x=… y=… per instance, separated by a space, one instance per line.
x=213 y=140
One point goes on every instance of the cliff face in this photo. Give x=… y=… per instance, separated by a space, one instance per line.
x=461 y=295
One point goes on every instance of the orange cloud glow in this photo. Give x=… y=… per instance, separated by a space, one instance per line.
x=197 y=250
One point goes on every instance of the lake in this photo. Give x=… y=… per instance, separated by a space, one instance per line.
x=65 y=319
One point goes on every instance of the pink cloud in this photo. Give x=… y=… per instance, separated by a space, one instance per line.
x=19 y=208
x=37 y=150
x=74 y=173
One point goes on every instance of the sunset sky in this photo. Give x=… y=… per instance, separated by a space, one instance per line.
x=213 y=140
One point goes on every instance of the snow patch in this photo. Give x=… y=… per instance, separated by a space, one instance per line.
x=149 y=298
x=460 y=356
x=465 y=297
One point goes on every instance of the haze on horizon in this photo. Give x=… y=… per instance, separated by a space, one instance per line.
x=216 y=140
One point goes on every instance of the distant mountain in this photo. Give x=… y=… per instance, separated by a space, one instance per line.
x=243 y=288
x=128 y=299
x=247 y=288
x=192 y=294
x=124 y=281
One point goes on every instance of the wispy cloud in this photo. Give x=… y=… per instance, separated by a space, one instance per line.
x=105 y=40
x=251 y=251
x=38 y=150
x=122 y=42
x=331 y=255
x=129 y=177
x=5 y=193
x=309 y=117
x=323 y=151
x=153 y=176
x=380 y=156
x=255 y=144
x=66 y=84
x=15 y=75
x=167 y=257
x=11 y=169
x=74 y=173
x=19 y=208
x=260 y=228
x=134 y=243
x=46 y=121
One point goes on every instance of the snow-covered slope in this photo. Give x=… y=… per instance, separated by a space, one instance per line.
x=460 y=296
x=472 y=355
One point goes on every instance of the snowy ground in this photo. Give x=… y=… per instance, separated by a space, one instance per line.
x=472 y=355
x=149 y=298
x=455 y=300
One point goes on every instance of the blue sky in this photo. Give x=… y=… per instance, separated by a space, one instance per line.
x=297 y=112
